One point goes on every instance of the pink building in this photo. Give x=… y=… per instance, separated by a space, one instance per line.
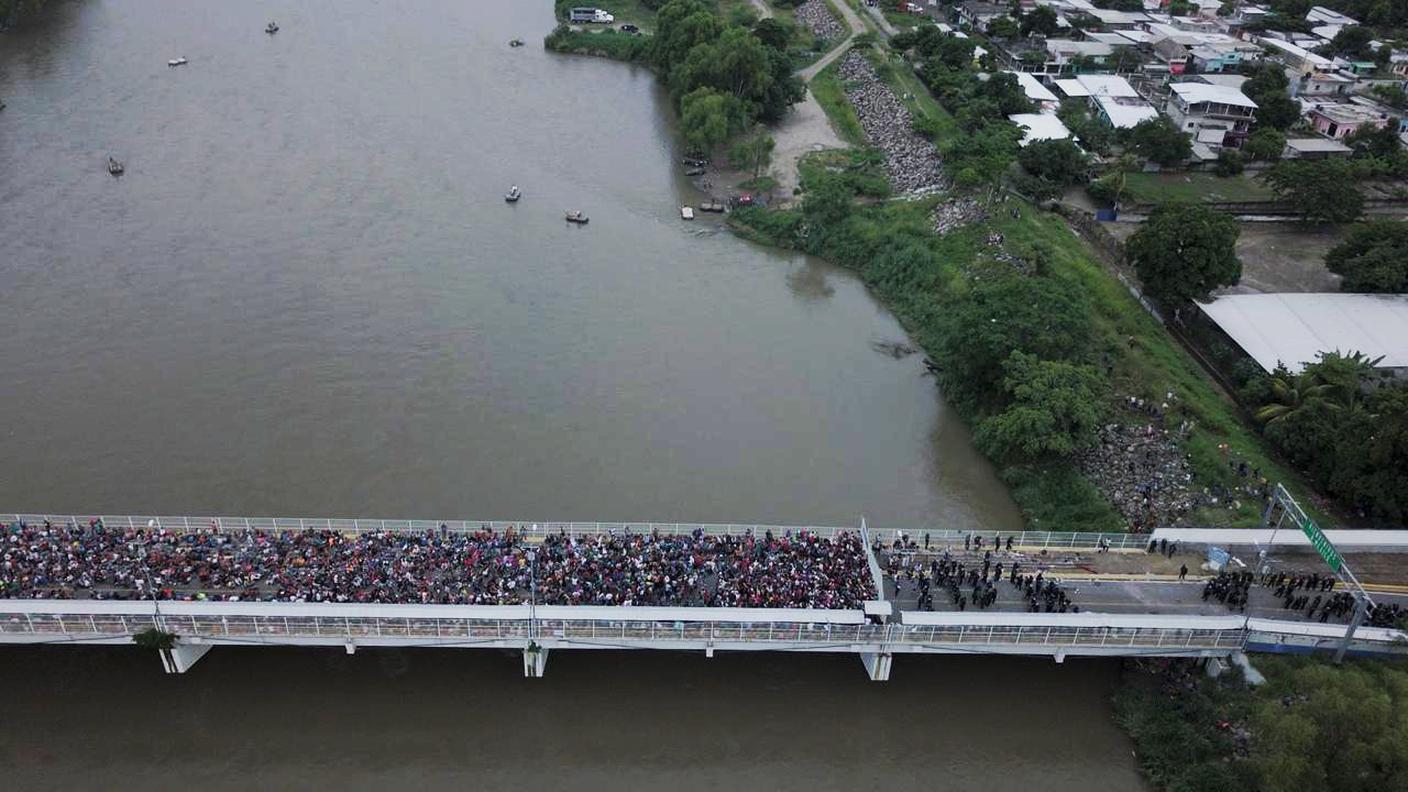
x=1340 y=120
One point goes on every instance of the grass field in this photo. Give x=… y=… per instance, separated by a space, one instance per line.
x=1161 y=187
x=831 y=95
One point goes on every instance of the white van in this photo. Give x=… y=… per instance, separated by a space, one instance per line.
x=591 y=15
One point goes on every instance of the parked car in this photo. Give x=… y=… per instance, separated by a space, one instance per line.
x=629 y=28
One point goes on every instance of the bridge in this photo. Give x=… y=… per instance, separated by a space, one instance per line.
x=876 y=632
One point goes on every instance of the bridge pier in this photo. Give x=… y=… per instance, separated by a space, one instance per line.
x=179 y=658
x=877 y=665
x=535 y=661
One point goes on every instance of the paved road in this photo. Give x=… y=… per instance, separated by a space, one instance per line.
x=1183 y=599
x=857 y=27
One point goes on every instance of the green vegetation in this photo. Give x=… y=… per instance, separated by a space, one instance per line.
x=1342 y=424
x=830 y=93
x=1184 y=251
x=1374 y=258
x=153 y=638
x=606 y=43
x=1266 y=143
x=1156 y=188
x=858 y=170
x=1322 y=191
x=1158 y=140
x=1311 y=726
x=1051 y=166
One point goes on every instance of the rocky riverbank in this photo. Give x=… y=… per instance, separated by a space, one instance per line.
x=817 y=17
x=911 y=162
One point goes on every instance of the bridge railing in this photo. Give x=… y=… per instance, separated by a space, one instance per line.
x=1052 y=540
x=746 y=632
x=364 y=525
x=1147 y=637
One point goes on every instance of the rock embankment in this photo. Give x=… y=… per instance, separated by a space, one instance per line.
x=1142 y=468
x=818 y=19
x=911 y=162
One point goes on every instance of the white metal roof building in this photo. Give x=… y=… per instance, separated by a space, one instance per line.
x=1033 y=88
x=1040 y=126
x=1124 y=113
x=1294 y=328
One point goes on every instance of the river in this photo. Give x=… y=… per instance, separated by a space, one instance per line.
x=306 y=296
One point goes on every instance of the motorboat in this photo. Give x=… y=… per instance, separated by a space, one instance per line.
x=516 y=43
x=271 y=28
x=686 y=213
x=576 y=216
x=694 y=172
x=711 y=206
x=114 y=167
x=513 y=194
x=176 y=62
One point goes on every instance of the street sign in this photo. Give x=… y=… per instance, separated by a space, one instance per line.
x=1322 y=545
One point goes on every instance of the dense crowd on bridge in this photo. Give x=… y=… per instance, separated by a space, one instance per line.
x=484 y=567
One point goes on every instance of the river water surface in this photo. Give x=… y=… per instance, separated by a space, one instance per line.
x=306 y=296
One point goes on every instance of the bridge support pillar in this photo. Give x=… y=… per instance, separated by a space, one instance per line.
x=179 y=658
x=877 y=665
x=535 y=661
x=1060 y=655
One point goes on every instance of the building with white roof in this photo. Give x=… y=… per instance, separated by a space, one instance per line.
x=1040 y=126
x=1295 y=328
x=1095 y=85
x=1320 y=15
x=1218 y=116
x=1296 y=57
x=1123 y=112
x=1314 y=148
x=1039 y=94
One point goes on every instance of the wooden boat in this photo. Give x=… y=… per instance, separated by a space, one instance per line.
x=686 y=213
x=711 y=206
x=115 y=167
x=513 y=194
x=694 y=172
x=575 y=216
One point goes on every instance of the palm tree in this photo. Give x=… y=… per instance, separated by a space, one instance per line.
x=1346 y=375
x=1291 y=394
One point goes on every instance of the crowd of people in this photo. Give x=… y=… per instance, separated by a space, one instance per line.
x=1309 y=594
x=483 y=567
x=971 y=583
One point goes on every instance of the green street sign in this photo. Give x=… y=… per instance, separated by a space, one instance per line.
x=1322 y=545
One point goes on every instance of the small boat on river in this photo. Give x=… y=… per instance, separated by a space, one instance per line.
x=577 y=217
x=516 y=43
x=177 y=61
x=271 y=28
x=686 y=213
x=114 y=167
x=513 y=194
x=711 y=206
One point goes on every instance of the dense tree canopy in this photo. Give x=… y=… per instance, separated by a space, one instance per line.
x=1184 y=251
x=1266 y=143
x=1348 y=429
x=1055 y=410
x=1158 y=140
x=1322 y=191
x=1374 y=258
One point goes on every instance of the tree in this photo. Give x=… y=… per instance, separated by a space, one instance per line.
x=1055 y=410
x=1058 y=161
x=1184 y=251
x=773 y=33
x=1040 y=21
x=998 y=316
x=1289 y=395
x=1323 y=191
x=827 y=202
x=1267 y=78
x=1265 y=144
x=1371 y=141
x=1158 y=140
x=1004 y=27
x=1229 y=163
x=705 y=118
x=753 y=153
x=1373 y=258
x=679 y=27
x=1278 y=110
x=1353 y=42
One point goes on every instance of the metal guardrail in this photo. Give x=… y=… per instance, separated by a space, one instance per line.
x=79 y=626
x=1029 y=539
x=363 y=525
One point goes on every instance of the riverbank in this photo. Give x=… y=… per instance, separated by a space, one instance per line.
x=1311 y=725
x=1172 y=448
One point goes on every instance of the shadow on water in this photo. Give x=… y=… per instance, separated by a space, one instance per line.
x=599 y=719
